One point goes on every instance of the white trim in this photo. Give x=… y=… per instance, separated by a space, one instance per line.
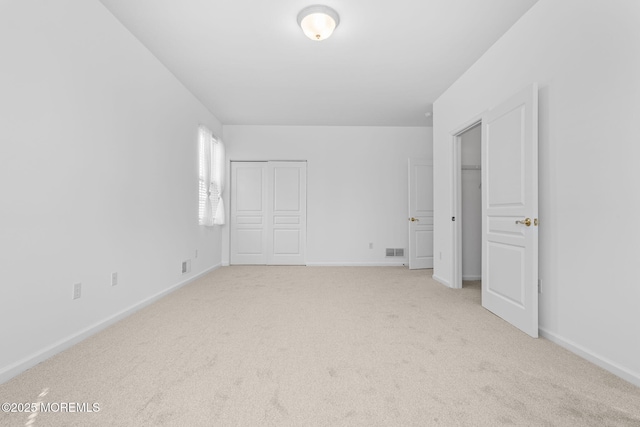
x=30 y=361
x=358 y=264
x=614 y=368
x=476 y=120
x=456 y=209
x=472 y=277
x=441 y=280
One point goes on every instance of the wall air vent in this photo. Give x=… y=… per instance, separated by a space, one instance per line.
x=395 y=252
x=186 y=266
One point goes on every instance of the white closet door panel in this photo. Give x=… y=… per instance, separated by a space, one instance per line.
x=249 y=185
x=287 y=213
x=250 y=242
x=286 y=242
x=268 y=213
x=286 y=189
x=248 y=213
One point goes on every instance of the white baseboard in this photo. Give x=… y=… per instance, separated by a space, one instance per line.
x=359 y=264
x=441 y=280
x=471 y=277
x=614 y=368
x=30 y=361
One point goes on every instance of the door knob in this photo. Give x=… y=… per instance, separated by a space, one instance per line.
x=526 y=221
x=412 y=219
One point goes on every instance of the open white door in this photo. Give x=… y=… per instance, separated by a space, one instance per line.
x=420 y=214
x=510 y=210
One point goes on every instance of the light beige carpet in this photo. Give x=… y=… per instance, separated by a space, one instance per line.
x=303 y=346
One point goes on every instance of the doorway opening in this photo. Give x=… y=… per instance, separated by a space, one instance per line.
x=467 y=209
x=509 y=194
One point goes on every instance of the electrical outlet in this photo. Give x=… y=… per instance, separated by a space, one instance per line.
x=196 y=254
x=114 y=279
x=441 y=255
x=371 y=245
x=77 y=290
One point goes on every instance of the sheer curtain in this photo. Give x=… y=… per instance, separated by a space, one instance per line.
x=218 y=181
x=205 y=209
x=211 y=158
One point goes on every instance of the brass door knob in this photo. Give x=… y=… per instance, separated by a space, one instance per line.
x=526 y=221
x=412 y=219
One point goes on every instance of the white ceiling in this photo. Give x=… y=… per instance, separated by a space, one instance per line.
x=386 y=63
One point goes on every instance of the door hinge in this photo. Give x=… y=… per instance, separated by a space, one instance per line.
x=453 y=218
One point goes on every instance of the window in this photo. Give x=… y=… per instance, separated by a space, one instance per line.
x=211 y=178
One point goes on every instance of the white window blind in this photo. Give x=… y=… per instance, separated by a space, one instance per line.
x=211 y=178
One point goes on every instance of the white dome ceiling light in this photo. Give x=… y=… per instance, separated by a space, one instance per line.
x=318 y=21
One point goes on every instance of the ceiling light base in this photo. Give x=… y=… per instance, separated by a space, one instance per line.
x=318 y=21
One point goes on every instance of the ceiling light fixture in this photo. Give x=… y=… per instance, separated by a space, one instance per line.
x=318 y=21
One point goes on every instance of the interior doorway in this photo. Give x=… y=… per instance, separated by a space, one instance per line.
x=509 y=196
x=467 y=209
x=471 y=206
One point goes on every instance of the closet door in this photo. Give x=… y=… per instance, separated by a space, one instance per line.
x=248 y=213
x=286 y=213
x=268 y=213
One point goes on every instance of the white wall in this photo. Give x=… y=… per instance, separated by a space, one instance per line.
x=584 y=57
x=471 y=205
x=98 y=174
x=356 y=184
